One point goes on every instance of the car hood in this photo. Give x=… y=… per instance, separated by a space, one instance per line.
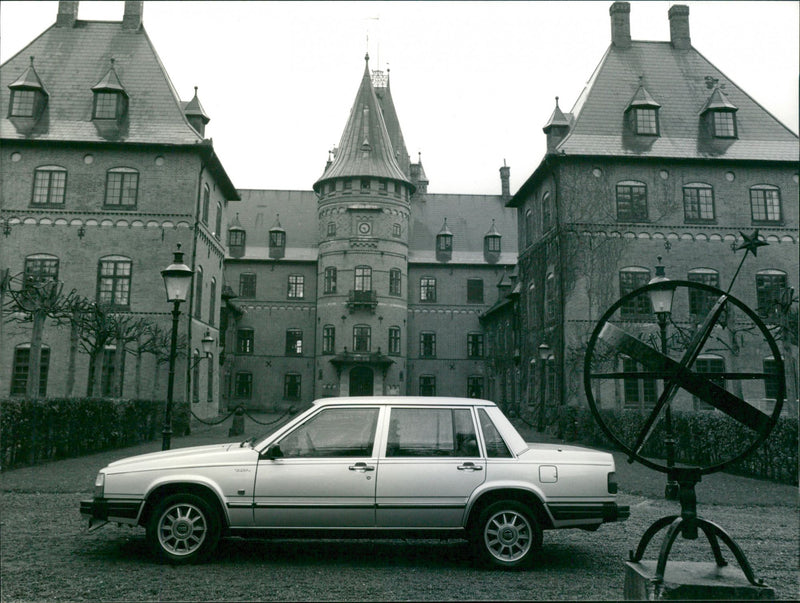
x=185 y=457
x=564 y=453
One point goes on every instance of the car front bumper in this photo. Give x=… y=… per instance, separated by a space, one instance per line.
x=100 y=511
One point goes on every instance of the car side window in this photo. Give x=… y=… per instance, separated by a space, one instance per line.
x=333 y=432
x=421 y=432
x=495 y=446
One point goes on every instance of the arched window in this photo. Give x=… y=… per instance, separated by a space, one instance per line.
x=198 y=292
x=708 y=365
x=700 y=302
x=19 y=374
x=765 y=204
x=547 y=212
x=49 y=185
x=362 y=338
x=528 y=227
x=206 y=203
x=329 y=280
x=40 y=268
x=550 y=297
x=394 y=341
x=363 y=278
x=632 y=278
x=395 y=281
x=770 y=285
x=631 y=201
x=328 y=339
x=698 y=202
x=218 y=223
x=122 y=187
x=212 y=302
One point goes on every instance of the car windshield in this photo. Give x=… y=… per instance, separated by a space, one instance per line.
x=271 y=428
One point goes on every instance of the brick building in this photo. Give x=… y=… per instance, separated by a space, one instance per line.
x=103 y=170
x=662 y=156
x=367 y=284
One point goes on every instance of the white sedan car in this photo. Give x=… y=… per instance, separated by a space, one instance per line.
x=365 y=467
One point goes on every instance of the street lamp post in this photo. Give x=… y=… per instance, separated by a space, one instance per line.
x=177 y=279
x=544 y=354
x=661 y=300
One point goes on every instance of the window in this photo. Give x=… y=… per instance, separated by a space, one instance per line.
x=427 y=345
x=383 y=186
x=105 y=105
x=23 y=103
x=294 y=342
x=646 y=121
x=122 y=185
x=397 y=231
x=547 y=212
x=347 y=185
x=550 y=297
x=708 y=365
x=328 y=339
x=19 y=375
x=700 y=302
x=236 y=238
x=331 y=229
x=444 y=242
x=244 y=341
x=724 y=124
x=329 y=280
x=698 y=203
x=295 y=288
x=277 y=238
x=394 y=282
x=209 y=382
x=218 y=222
x=474 y=291
x=363 y=278
x=770 y=284
x=640 y=394
x=198 y=292
x=432 y=432
x=427 y=289
x=765 y=203
x=114 y=281
x=475 y=386
x=333 y=432
x=771 y=384
x=40 y=268
x=247 y=285
x=206 y=203
x=475 y=345
x=107 y=386
x=631 y=202
x=427 y=385
x=212 y=302
x=394 y=341
x=291 y=386
x=49 y=185
x=630 y=279
x=196 y=377
x=528 y=227
x=362 y=338
x=243 y=385
x=495 y=446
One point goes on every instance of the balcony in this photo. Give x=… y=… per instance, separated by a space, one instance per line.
x=362 y=300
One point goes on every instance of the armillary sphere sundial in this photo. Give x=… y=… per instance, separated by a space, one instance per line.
x=708 y=325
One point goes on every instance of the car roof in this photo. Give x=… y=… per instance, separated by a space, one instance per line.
x=404 y=400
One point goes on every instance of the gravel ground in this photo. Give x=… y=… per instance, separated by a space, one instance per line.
x=47 y=554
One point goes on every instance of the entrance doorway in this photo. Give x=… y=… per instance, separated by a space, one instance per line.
x=361 y=381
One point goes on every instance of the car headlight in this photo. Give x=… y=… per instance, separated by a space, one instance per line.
x=99 y=485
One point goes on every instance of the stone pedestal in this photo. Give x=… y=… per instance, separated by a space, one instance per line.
x=690 y=580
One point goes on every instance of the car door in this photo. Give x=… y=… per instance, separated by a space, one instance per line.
x=430 y=466
x=324 y=475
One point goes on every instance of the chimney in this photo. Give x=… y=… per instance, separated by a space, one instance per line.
x=505 y=187
x=132 y=18
x=620 y=24
x=67 y=13
x=679 y=27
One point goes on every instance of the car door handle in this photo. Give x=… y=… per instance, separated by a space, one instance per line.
x=469 y=467
x=362 y=467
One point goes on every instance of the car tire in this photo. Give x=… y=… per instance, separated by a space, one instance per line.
x=506 y=535
x=183 y=528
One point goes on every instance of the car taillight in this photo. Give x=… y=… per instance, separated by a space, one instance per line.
x=612 y=482
x=99 y=485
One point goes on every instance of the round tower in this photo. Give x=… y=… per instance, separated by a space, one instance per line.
x=363 y=217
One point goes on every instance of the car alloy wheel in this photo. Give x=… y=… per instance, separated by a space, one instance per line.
x=183 y=528
x=508 y=534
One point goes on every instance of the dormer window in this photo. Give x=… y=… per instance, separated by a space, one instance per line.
x=444 y=240
x=720 y=115
x=643 y=112
x=277 y=240
x=28 y=96
x=236 y=238
x=110 y=98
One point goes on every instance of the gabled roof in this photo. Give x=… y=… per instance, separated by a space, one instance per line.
x=110 y=81
x=28 y=80
x=73 y=60
x=719 y=101
x=679 y=80
x=365 y=148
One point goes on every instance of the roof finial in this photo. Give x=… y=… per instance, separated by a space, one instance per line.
x=195 y=90
x=641 y=80
x=31 y=60
x=366 y=57
x=556 y=101
x=112 y=62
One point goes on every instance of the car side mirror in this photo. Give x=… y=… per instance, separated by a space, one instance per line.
x=273 y=452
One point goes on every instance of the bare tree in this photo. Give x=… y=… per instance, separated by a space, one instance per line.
x=127 y=329
x=156 y=341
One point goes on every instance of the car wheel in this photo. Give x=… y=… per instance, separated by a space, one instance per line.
x=506 y=534
x=184 y=528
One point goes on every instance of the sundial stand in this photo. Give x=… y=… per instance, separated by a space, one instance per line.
x=686 y=524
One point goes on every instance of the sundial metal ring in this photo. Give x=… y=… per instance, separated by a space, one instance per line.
x=729 y=328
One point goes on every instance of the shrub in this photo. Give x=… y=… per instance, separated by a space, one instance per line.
x=57 y=428
x=701 y=439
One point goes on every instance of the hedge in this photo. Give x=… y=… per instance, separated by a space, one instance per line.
x=701 y=439
x=58 y=428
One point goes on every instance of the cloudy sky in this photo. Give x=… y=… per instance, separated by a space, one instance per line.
x=473 y=82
